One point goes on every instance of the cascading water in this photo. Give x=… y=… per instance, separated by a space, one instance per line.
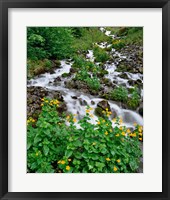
x=76 y=101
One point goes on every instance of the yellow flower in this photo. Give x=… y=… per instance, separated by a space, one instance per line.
x=107 y=124
x=118 y=160
x=68 y=117
x=103 y=111
x=91 y=115
x=63 y=162
x=140 y=130
x=140 y=134
x=98 y=122
x=67 y=167
x=115 y=168
x=114 y=120
x=94 y=143
x=42 y=99
x=131 y=134
x=123 y=133
x=109 y=113
x=121 y=121
x=121 y=128
x=69 y=159
x=87 y=111
x=46 y=101
x=128 y=131
x=134 y=135
x=74 y=120
x=110 y=130
x=117 y=135
x=106 y=133
x=140 y=139
x=106 y=109
x=103 y=121
x=59 y=162
x=51 y=104
x=42 y=104
x=90 y=108
x=33 y=120
x=75 y=115
x=37 y=154
x=108 y=159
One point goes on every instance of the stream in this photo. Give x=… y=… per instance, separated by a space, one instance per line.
x=77 y=101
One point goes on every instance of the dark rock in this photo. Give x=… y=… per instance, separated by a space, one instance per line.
x=104 y=104
x=74 y=97
x=82 y=102
x=124 y=76
x=92 y=102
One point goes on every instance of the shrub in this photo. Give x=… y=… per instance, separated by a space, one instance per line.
x=100 y=54
x=119 y=94
x=133 y=101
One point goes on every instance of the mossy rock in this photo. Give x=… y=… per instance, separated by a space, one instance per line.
x=65 y=75
x=57 y=63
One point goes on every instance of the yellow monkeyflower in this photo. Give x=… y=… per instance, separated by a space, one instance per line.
x=134 y=135
x=42 y=99
x=135 y=124
x=118 y=160
x=91 y=115
x=106 y=109
x=63 y=162
x=140 y=130
x=140 y=139
x=69 y=159
x=67 y=167
x=140 y=134
x=115 y=168
x=114 y=120
x=123 y=133
x=87 y=111
x=103 y=111
x=120 y=128
x=107 y=124
x=74 y=120
x=103 y=121
x=46 y=101
x=128 y=131
x=42 y=104
x=106 y=133
x=108 y=159
x=59 y=162
x=98 y=122
x=90 y=108
x=117 y=135
x=33 y=120
x=121 y=121
x=68 y=117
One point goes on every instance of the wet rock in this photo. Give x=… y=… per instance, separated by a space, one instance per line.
x=92 y=102
x=57 y=63
x=83 y=102
x=74 y=97
x=104 y=104
x=124 y=76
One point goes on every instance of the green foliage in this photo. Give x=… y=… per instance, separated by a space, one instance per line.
x=54 y=147
x=93 y=83
x=100 y=54
x=45 y=139
x=119 y=94
x=49 y=42
x=118 y=44
x=88 y=36
x=133 y=101
x=101 y=149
